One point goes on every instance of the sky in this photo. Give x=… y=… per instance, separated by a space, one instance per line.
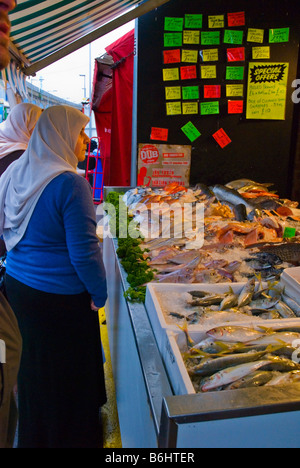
x=63 y=79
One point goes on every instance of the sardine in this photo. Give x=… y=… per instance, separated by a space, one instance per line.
x=232 y=374
x=235 y=334
x=246 y=294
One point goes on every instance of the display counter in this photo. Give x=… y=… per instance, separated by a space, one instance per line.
x=152 y=416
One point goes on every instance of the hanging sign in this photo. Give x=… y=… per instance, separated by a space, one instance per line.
x=162 y=164
x=267 y=89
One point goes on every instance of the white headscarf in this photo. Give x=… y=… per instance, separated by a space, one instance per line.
x=16 y=130
x=50 y=152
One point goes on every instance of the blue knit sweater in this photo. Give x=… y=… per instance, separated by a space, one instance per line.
x=59 y=252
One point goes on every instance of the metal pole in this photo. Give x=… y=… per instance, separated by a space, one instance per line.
x=90 y=90
x=84 y=88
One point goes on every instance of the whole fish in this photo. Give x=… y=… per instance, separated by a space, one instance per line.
x=246 y=294
x=230 y=300
x=205 y=190
x=292 y=304
x=286 y=251
x=185 y=257
x=212 y=299
x=211 y=346
x=163 y=256
x=285 y=378
x=264 y=303
x=267 y=257
x=284 y=310
x=280 y=364
x=257 y=379
x=276 y=338
x=232 y=374
x=235 y=334
x=199 y=293
x=207 y=367
x=184 y=273
x=269 y=315
x=231 y=196
x=240 y=183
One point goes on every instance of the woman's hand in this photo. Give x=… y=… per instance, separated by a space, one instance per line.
x=94 y=307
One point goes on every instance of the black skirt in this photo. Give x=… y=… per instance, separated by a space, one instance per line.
x=61 y=379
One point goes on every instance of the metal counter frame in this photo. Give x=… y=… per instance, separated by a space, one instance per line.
x=152 y=416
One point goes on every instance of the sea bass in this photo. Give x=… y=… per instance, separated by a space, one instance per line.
x=231 y=196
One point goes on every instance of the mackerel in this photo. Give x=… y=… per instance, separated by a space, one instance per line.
x=231 y=374
x=235 y=334
x=207 y=367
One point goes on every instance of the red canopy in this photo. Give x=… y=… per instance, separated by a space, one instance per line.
x=112 y=106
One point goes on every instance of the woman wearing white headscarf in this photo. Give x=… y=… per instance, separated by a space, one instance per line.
x=55 y=283
x=16 y=131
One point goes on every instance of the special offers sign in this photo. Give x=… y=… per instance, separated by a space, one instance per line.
x=267 y=89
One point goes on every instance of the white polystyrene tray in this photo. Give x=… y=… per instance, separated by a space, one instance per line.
x=160 y=325
x=290 y=279
x=175 y=342
x=176 y=370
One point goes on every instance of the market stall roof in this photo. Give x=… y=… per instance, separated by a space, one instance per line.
x=44 y=31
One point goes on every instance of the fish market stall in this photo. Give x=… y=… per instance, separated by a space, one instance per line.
x=213 y=347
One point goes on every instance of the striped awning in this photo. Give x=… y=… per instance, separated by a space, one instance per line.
x=44 y=31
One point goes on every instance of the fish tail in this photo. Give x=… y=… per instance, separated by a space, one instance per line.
x=184 y=328
x=259 y=279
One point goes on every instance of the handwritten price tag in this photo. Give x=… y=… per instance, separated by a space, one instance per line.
x=159 y=134
x=236 y=19
x=236 y=54
x=191 y=131
x=235 y=107
x=172 y=56
x=222 y=138
x=188 y=73
x=212 y=91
